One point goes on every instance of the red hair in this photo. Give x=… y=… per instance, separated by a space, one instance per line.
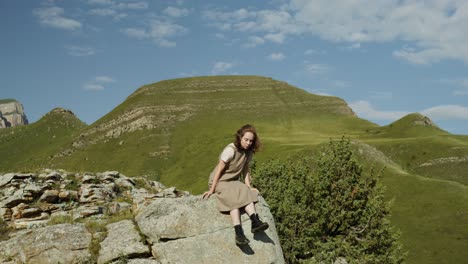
x=241 y=132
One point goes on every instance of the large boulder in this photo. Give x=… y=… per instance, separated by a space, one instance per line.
x=123 y=240
x=63 y=243
x=191 y=230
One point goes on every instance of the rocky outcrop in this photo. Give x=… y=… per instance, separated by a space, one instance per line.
x=63 y=243
x=191 y=230
x=57 y=216
x=12 y=114
x=122 y=240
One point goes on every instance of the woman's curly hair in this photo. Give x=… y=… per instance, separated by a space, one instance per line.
x=256 y=145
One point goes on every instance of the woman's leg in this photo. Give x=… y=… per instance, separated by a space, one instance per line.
x=235 y=216
x=240 y=237
x=257 y=224
x=250 y=209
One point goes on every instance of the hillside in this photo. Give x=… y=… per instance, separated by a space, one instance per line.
x=31 y=147
x=173 y=131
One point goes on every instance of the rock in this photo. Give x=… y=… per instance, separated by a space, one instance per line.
x=34 y=189
x=340 y=260
x=143 y=261
x=63 y=243
x=31 y=212
x=66 y=196
x=17 y=211
x=141 y=198
x=123 y=240
x=114 y=174
x=157 y=185
x=117 y=207
x=5 y=179
x=87 y=211
x=12 y=113
x=49 y=196
x=14 y=200
x=125 y=183
x=5 y=213
x=168 y=193
x=51 y=176
x=191 y=230
x=94 y=193
x=14 y=178
x=35 y=222
x=90 y=179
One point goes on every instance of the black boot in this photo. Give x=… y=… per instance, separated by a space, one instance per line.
x=257 y=224
x=241 y=240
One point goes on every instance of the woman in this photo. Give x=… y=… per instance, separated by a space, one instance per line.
x=232 y=194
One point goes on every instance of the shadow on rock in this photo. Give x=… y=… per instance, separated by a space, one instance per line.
x=247 y=249
x=262 y=236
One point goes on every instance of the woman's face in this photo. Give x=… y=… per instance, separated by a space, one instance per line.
x=247 y=140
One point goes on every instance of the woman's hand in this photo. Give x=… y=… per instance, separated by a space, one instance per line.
x=207 y=194
x=254 y=189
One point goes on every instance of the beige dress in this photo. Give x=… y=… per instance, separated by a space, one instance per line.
x=231 y=193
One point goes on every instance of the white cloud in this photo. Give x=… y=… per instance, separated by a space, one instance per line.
x=159 y=31
x=340 y=84
x=276 y=56
x=97 y=84
x=100 y=2
x=93 y=87
x=313 y=51
x=278 y=38
x=254 y=41
x=380 y=95
x=366 y=110
x=133 y=5
x=447 y=112
x=463 y=88
x=176 y=12
x=80 y=51
x=220 y=67
x=53 y=17
x=317 y=68
x=434 y=30
x=107 y=12
x=135 y=33
x=104 y=79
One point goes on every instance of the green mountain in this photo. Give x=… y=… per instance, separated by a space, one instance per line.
x=32 y=146
x=174 y=130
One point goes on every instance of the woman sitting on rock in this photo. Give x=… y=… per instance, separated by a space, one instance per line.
x=232 y=194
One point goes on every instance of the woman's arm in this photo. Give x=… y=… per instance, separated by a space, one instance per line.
x=246 y=172
x=219 y=169
x=248 y=179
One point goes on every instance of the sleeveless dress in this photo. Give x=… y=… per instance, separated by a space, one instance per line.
x=231 y=193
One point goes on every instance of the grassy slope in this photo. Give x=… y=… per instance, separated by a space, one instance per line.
x=181 y=149
x=26 y=148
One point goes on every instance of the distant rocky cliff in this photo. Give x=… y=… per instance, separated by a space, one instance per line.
x=12 y=113
x=61 y=217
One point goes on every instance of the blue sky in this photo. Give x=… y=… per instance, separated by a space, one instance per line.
x=385 y=58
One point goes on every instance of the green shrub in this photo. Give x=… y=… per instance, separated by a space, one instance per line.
x=335 y=211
